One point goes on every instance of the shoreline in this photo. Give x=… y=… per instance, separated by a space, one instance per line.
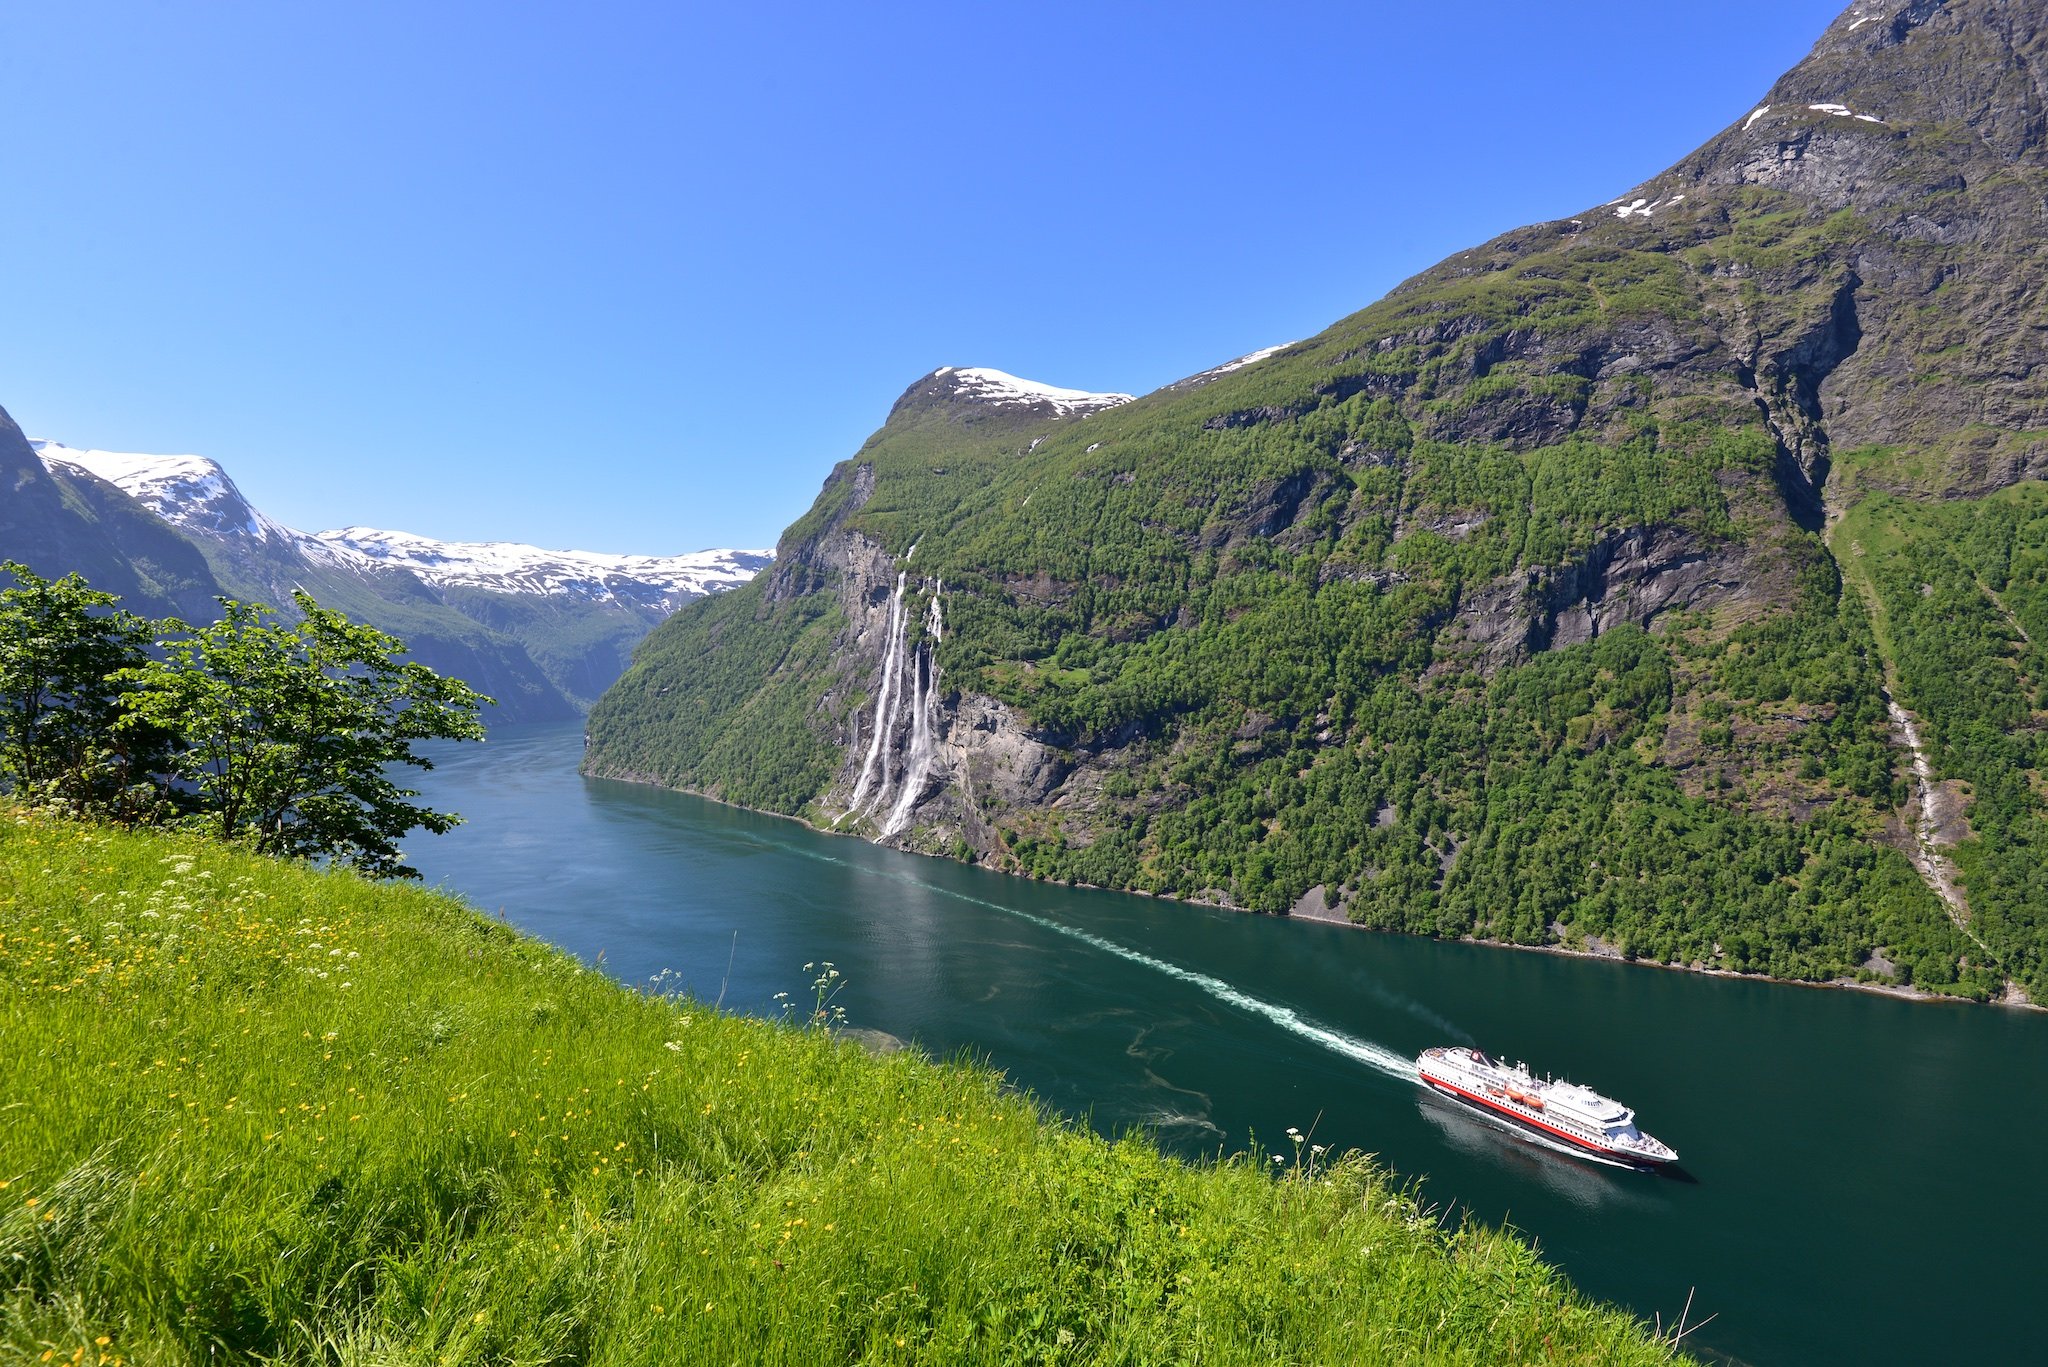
x=1898 y=991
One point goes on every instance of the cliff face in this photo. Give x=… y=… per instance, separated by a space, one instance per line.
x=1406 y=617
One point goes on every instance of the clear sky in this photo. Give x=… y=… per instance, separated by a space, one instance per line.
x=631 y=277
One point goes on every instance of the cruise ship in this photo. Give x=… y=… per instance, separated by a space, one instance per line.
x=1579 y=1116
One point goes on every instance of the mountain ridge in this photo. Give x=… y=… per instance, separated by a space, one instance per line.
x=1438 y=614
x=543 y=632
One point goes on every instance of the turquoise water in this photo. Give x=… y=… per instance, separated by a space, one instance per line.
x=1836 y=1200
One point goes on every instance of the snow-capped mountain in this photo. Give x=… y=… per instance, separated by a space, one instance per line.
x=542 y=631
x=191 y=493
x=196 y=495
x=510 y=567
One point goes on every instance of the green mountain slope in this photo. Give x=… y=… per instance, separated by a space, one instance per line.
x=1505 y=607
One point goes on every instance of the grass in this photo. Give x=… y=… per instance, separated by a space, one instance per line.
x=258 y=1112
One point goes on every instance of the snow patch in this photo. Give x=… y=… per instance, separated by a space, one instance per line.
x=1643 y=208
x=1761 y=110
x=1842 y=111
x=1000 y=387
x=1249 y=358
x=1213 y=373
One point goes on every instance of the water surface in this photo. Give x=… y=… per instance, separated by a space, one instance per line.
x=1861 y=1176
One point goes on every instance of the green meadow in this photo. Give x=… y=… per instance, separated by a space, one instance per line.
x=252 y=1111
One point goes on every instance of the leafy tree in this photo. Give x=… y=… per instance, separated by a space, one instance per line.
x=64 y=648
x=292 y=731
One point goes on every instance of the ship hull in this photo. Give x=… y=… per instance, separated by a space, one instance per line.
x=1478 y=1101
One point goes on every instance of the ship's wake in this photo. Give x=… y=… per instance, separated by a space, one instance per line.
x=1375 y=1056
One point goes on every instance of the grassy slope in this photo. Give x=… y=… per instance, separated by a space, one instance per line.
x=255 y=1110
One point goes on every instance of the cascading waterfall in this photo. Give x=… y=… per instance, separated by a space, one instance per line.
x=923 y=736
x=885 y=705
x=916 y=699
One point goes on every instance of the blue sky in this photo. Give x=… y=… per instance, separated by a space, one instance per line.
x=631 y=277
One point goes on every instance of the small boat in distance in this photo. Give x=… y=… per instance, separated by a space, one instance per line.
x=1577 y=1115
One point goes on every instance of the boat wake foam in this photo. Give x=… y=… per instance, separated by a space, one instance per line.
x=1375 y=1056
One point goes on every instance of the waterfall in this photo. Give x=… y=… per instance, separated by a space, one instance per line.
x=919 y=696
x=885 y=704
x=923 y=738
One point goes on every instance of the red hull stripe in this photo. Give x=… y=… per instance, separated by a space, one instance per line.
x=1531 y=1120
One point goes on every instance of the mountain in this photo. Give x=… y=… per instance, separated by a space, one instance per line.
x=543 y=632
x=1664 y=581
x=578 y=613
x=55 y=522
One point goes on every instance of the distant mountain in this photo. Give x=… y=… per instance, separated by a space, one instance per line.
x=1670 y=580
x=660 y=583
x=542 y=631
x=55 y=521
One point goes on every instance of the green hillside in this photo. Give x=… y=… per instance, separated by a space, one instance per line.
x=1506 y=607
x=257 y=1112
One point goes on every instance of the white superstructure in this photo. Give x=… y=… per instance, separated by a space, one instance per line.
x=1578 y=1115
